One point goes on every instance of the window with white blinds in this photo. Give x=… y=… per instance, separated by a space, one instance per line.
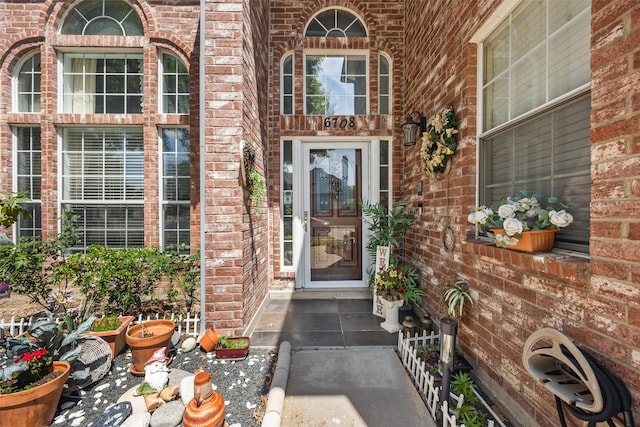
x=176 y=187
x=28 y=180
x=102 y=177
x=536 y=108
x=538 y=54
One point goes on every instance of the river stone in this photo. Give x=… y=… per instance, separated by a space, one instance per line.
x=141 y=419
x=189 y=344
x=114 y=415
x=186 y=389
x=168 y=415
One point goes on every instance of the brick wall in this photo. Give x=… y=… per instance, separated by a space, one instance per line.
x=594 y=301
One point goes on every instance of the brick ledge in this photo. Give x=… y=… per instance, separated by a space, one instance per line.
x=561 y=265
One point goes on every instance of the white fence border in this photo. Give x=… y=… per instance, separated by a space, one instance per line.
x=425 y=382
x=188 y=324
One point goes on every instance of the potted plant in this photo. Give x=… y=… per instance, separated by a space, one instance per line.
x=396 y=285
x=112 y=328
x=232 y=348
x=147 y=337
x=37 y=365
x=521 y=223
x=454 y=294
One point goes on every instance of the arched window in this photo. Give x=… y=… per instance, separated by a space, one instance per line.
x=175 y=86
x=384 y=85
x=336 y=83
x=103 y=18
x=335 y=23
x=286 y=85
x=28 y=85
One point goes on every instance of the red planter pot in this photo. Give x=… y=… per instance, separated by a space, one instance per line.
x=233 y=353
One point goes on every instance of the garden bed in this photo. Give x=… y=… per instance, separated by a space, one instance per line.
x=244 y=386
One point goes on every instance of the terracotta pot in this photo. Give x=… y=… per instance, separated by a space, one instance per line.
x=233 y=353
x=209 y=340
x=116 y=338
x=532 y=241
x=35 y=407
x=143 y=348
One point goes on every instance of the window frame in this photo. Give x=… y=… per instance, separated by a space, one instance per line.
x=15 y=104
x=163 y=201
x=389 y=75
x=549 y=107
x=101 y=203
x=34 y=206
x=66 y=106
x=286 y=92
x=176 y=95
x=338 y=53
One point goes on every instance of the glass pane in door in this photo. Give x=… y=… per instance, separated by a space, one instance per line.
x=335 y=178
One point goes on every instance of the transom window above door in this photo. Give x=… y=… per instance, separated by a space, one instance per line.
x=335 y=23
x=335 y=84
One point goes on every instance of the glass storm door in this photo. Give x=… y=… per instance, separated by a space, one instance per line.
x=332 y=218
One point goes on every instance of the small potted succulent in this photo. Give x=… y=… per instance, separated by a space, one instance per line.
x=232 y=348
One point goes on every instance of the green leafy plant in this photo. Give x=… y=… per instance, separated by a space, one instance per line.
x=183 y=273
x=107 y=323
x=41 y=269
x=11 y=209
x=455 y=292
x=225 y=342
x=398 y=282
x=28 y=356
x=468 y=413
x=257 y=190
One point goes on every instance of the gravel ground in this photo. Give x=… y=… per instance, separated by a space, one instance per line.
x=244 y=386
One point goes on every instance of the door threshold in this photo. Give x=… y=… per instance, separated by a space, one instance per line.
x=322 y=293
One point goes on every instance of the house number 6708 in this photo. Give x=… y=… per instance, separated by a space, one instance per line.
x=336 y=122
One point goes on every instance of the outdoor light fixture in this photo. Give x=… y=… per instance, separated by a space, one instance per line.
x=409 y=128
x=448 y=332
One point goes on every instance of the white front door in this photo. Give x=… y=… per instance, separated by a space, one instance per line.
x=335 y=179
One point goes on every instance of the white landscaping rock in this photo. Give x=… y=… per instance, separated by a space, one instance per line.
x=140 y=419
x=189 y=344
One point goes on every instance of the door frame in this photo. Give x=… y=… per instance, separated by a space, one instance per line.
x=369 y=151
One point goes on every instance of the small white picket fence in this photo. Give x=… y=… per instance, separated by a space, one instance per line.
x=426 y=383
x=185 y=324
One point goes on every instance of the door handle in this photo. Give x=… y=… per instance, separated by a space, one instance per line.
x=305 y=220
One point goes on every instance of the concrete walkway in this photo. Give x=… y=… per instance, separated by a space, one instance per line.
x=351 y=388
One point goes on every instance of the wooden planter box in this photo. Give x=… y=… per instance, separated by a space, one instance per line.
x=116 y=338
x=233 y=353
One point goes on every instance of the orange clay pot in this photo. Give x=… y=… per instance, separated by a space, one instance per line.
x=35 y=407
x=209 y=340
x=142 y=348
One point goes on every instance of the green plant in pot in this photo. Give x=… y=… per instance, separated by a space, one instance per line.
x=232 y=348
x=36 y=366
x=454 y=294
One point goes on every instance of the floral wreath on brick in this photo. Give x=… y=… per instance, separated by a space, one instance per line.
x=439 y=142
